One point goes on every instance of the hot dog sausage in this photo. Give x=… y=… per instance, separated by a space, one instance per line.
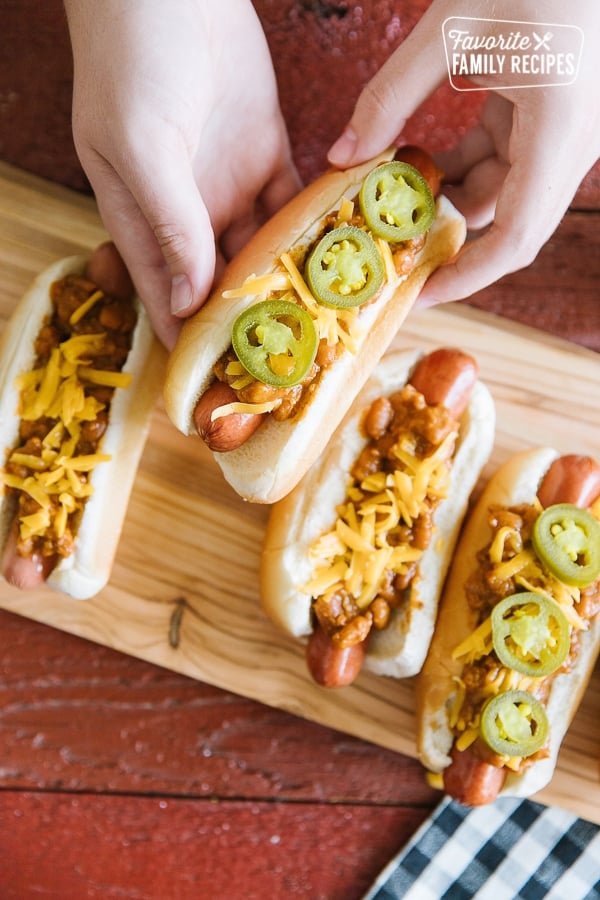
x=570 y=479
x=24 y=572
x=109 y=273
x=445 y=377
x=225 y=435
x=106 y=269
x=422 y=161
x=227 y=432
x=471 y=780
x=332 y=666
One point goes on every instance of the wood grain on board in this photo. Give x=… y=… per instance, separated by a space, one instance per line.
x=184 y=589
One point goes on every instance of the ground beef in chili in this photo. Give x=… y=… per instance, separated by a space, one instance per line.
x=116 y=319
x=403 y=417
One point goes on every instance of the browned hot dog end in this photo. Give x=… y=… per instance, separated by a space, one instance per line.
x=24 y=572
x=228 y=432
x=571 y=479
x=446 y=376
x=472 y=781
x=332 y=666
x=423 y=162
x=108 y=271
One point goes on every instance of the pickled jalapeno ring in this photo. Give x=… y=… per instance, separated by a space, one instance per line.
x=276 y=342
x=345 y=268
x=397 y=202
x=530 y=633
x=514 y=724
x=567 y=541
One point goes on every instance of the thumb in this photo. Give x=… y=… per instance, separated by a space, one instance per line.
x=405 y=80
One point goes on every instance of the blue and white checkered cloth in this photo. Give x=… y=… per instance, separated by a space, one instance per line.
x=511 y=850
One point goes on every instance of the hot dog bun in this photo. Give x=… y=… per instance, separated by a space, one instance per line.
x=310 y=510
x=87 y=569
x=515 y=482
x=274 y=459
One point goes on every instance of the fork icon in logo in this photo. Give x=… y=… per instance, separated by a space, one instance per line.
x=542 y=41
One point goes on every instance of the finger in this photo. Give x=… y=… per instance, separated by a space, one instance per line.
x=512 y=243
x=281 y=187
x=534 y=196
x=489 y=138
x=137 y=245
x=144 y=260
x=477 y=195
x=284 y=183
x=476 y=146
x=393 y=94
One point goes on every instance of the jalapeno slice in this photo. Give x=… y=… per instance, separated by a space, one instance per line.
x=275 y=341
x=396 y=202
x=345 y=268
x=514 y=723
x=567 y=540
x=530 y=633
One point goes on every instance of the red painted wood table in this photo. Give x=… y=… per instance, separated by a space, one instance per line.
x=121 y=777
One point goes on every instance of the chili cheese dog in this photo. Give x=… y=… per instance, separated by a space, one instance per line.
x=80 y=372
x=266 y=369
x=518 y=630
x=355 y=557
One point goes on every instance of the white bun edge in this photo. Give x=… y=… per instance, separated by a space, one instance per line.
x=278 y=454
x=514 y=482
x=297 y=520
x=87 y=570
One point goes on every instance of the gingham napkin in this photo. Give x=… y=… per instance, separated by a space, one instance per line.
x=511 y=850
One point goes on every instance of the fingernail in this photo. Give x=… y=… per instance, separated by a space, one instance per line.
x=181 y=294
x=344 y=148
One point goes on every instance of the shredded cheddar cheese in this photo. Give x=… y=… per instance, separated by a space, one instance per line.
x=238 y=407
x=336 y=327
x=50 y=467
x=435 y=780
x=345 y=212
x=478 y=643
x=511 y=562
x=363 y=548
x=85 y=307
x=388 y=261
x=503 y=535
x=257 y=285
x=466 y=738
x=340 y=328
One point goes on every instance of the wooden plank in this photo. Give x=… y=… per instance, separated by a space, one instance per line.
x=84 y=846
x=78 y=716
x=179 y=597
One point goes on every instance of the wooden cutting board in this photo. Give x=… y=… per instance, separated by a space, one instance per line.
x=184 y=589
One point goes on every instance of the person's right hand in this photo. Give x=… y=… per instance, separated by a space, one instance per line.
x=518 y=170
x=177 y=125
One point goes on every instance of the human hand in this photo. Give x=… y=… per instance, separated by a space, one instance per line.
x=518 y=169
x=177 y=125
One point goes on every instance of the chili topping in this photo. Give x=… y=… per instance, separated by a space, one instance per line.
x=65 y=402
x=364 y=565
x=529 y=622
